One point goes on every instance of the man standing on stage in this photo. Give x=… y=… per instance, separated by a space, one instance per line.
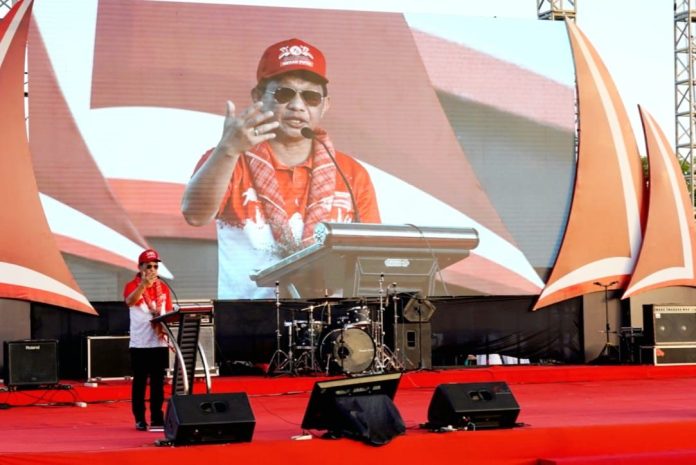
x=147 y=297
x=275 y=175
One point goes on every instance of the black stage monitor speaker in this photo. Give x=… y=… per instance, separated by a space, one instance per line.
x=418 y=310
x=30 y=363
x=361 y=408
x=473 y=405
x=108 y=357
x=209 y=418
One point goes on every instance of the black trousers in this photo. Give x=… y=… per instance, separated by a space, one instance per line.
x=149 y=364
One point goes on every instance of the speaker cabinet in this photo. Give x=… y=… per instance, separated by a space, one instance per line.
x=108 y=357
x=30 y=363
x=414 y=345
x=209 y=418
x=669 y=355
x=473 y=405
x=669 y=324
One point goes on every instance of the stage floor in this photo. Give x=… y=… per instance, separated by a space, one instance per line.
x=581 y=414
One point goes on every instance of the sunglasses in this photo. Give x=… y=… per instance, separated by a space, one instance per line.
x=151 y=266
x=285 y=94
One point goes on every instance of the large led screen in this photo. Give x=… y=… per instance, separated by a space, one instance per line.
x=459 y=134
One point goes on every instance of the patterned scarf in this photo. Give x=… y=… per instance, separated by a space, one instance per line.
x=321 y=191
x=155 y=304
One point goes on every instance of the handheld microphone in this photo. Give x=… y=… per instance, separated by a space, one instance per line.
x=309 y=134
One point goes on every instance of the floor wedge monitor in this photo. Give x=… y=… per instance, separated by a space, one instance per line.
x=209 y=418
x=473 y=406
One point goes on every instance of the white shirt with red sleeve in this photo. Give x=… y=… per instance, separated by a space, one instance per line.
x=142 y=334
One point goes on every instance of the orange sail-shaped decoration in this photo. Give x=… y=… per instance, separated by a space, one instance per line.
x=668 y=253
x=63 y=165
x=82 y=211
x=604 y=231
x=31 y=266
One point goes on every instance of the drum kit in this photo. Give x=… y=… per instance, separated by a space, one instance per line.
x=326 y=337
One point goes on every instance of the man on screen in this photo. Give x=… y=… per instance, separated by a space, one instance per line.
x=275 y=175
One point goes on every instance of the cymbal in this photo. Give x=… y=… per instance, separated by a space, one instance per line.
x=308 y=309
x=324 y=300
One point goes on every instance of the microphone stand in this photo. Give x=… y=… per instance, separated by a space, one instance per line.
x=280 y=359
x=605 y=354
x=310 y=134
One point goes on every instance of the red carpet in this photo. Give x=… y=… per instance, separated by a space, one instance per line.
x=571 y=415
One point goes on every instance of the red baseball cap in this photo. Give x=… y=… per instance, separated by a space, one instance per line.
x=150 y=255
x=291 y=55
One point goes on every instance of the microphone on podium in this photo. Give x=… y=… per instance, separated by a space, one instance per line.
x=309 y=134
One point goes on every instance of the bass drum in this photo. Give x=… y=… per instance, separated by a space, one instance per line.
x=349 y=350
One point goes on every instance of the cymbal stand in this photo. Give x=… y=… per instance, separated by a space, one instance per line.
x=327 y=368
x=328 y=308
x=384 y=358
x=312 y=364
x=280 y=361
x=399 y=360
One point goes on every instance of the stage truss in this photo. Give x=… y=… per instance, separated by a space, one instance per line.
x=684 y=100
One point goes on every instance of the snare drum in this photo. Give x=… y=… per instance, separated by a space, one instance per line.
x=348 y=350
